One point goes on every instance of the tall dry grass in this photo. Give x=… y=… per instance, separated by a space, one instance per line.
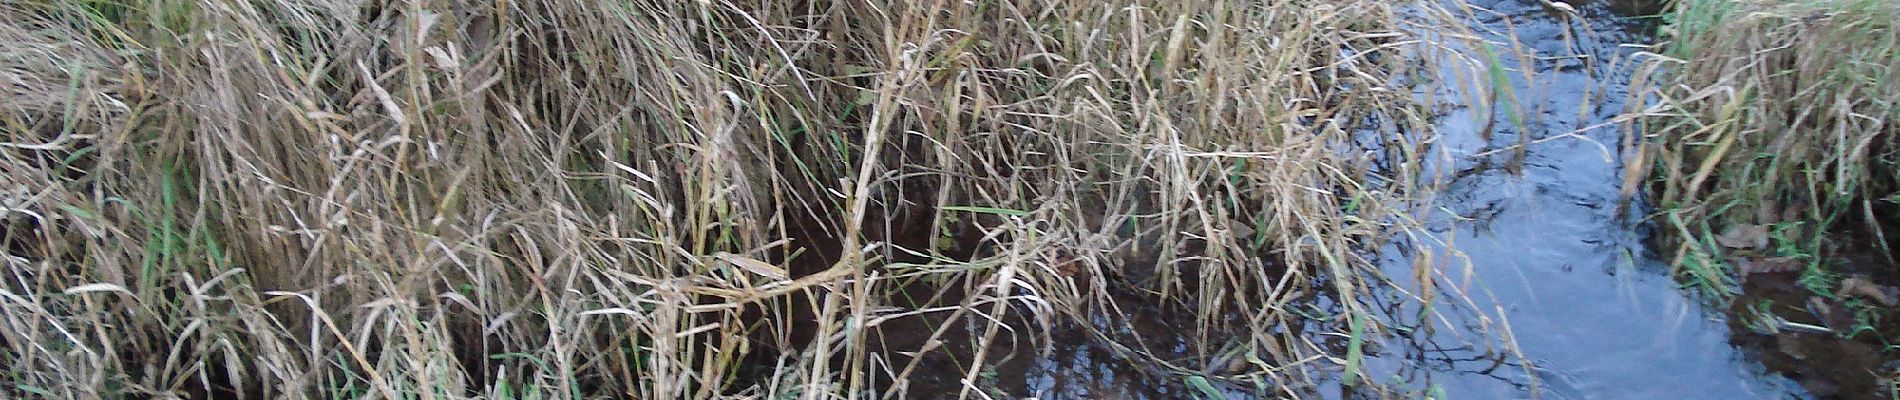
x=1772 y=134
x=554 y=199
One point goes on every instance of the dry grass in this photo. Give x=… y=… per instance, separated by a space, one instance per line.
x=553 y=199
x=1772 y=134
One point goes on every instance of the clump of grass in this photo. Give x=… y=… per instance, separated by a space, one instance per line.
x=553 y=199
x=1773 y=120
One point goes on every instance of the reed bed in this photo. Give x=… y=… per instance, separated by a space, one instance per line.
x=700 y=199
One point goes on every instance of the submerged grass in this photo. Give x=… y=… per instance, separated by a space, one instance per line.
x=553 y=199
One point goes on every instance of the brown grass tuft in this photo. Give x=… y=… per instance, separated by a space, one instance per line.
x=526 y=199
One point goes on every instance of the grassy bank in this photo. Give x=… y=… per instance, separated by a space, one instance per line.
x=1774 y=138
x=1773 y=147
x=548 y=199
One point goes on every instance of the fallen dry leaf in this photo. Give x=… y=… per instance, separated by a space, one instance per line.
x=1793 y=211
x=1767 y=211
x=1863 y=287
x=1770 y=265
x=1241 y=229
x=1743 y=236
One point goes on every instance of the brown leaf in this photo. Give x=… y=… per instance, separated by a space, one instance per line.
x=1793 y=211
x=1743 y=236
x=1863 y=287
x=1770 y=265
x=1242 y=230
x=1767 y=211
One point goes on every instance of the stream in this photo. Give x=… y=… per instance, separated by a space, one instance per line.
x=1552 y=260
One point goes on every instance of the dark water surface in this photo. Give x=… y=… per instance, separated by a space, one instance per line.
x=1553 y=268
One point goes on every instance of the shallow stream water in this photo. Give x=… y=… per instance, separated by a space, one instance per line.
x=1551 y=257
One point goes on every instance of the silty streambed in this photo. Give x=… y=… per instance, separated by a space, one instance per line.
x=1565 y=301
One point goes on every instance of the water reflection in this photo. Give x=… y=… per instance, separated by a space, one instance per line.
x=1562 y=299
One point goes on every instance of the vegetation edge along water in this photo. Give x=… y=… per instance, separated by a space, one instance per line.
x=707 y=199
x=1771 y=152
x=710 y=199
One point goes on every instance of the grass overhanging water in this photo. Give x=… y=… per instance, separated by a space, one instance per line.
x=1770 y=135
x=533 y=199
x=1770 y=146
